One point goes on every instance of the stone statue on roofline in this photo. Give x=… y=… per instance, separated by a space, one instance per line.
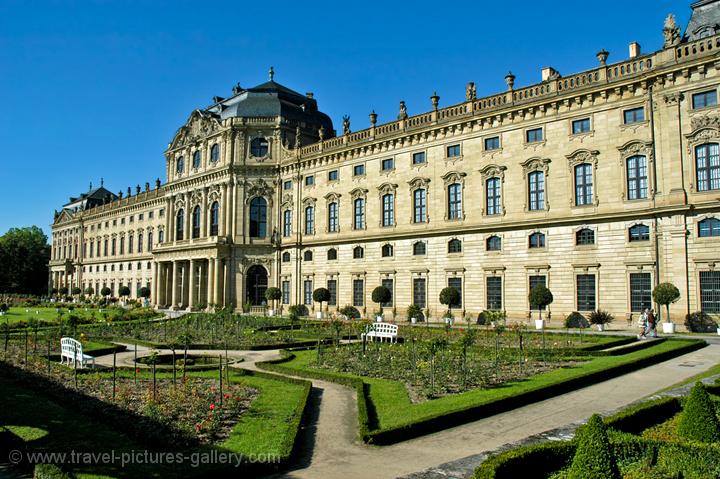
x=470 y=91
x=346 y=125
x=671 y=32
x=403 y=111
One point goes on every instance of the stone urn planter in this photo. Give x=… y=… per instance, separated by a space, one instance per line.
x=668 y=327
x=318 y=314
x=271 y=312
x=379 y=319
x=539 y=324
x=600 y=327
x=413 y=320
x=718 y=331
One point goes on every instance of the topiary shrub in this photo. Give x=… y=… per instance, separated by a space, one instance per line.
x=700 y=322
x=298 y=310
x=381 y=295
x=449 y=297
x=321 y=295
x=698 y=420
x=593 y=457
x=351 y=312
x=576 y=320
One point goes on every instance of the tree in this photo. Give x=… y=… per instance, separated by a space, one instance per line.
x=321 y=295
x=124 y=291
x=105 y=291
x=664 y=294
x=24 y=256
x=540 y=297
x=89 y=290
x=449 y=297
x=593 y=456
x=273 y=294
x=144 y=292
x=63 y=291
x=381 y=295
x=75 y=291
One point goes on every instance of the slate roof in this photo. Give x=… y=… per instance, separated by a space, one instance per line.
x=704 y=21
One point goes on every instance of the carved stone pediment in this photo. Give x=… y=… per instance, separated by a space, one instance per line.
x=705 y=121
x=582 y=156
x=309 y=201
x=358 y=193
x=454 y=177
x=332 y=196
x=700 y=135
x=386 y=188
x=259 y=188
x=419 y=182
x=636 y=147
x=199 y=126
x=535 y=163
x=491 y=171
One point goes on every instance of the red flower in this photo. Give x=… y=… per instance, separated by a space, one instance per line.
x=226 y=396
x=212 y=407
x=137 y=370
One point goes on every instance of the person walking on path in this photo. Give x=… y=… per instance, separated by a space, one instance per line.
x=651 y=325
x=642 y=324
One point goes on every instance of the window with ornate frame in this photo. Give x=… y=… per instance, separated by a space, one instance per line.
x=536 y=172
x=259 y=147
x=635 y=163
x=583 y=165
x=419 y=198
x=359 y=196
x=493 y=177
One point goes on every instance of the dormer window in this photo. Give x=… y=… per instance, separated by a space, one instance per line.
x=259 y=147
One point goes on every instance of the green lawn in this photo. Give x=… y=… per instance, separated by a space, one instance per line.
x=50 y=314
x=393 y=408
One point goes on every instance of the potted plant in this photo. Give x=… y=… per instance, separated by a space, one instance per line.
x=540 y=297
x=321 y=295
x=600 y=319
x=273 y=294
x=413 y=313
x=664 y=294
x=381 y=295
x=449 y=297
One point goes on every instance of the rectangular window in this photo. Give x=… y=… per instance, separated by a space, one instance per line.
x=456 y=283
x=637 y=177
x=388 y=164
x=287 y=223
x=332 y=287
x=287 y=185
x=583 y=184
x=585 y=292
x=640 y=292
x=285 y=292
x=536 y=190
x=307 y=292
x=140 y=217
x=419 y=292
x=388 y=202
x=453 y=151
x=132 y=218
x=420 y=205
x=581 y=126
x=533 y=136
x=359 y=214
x=454 y=201
x=388 y=283
x=492 y=196
x=333 y=217
x=704 y=99
x=710 y=291
x=309 y=220
x=492 y=143
x=418 y=158
x=151 y=215
x=113 y=246
x=494 y=293
x=358 y=292
x=162 y=212
x=333 y=175
x=359 y=170
x=707 y=167
x=309 y=180
x=634 y=115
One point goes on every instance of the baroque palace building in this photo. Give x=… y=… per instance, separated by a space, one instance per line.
x=599 y=184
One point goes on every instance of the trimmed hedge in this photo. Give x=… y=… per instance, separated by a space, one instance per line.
x=636 y=419
x=537 y=461
x=368 y=421
x=593 y=457
x=698 y=421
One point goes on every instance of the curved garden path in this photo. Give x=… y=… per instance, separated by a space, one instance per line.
x=329 y=446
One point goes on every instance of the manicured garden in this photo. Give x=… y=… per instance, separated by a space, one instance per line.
x=664 y=438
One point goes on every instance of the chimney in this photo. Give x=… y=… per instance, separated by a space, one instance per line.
x=548 y=73
x=634 y=50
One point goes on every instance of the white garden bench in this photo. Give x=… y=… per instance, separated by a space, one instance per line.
x=382 y=331
x=71 y=349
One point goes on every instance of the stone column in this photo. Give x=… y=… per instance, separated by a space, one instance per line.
x=204 y=232
x=191 y=283
x=173 y=284
x=171 y=221
x=154 y=283
x=188 y=216
x=211 y=281
x=227 y=283
x=218 y=282
x=224 y=211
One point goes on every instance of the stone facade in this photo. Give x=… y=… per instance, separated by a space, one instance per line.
x=600 y=184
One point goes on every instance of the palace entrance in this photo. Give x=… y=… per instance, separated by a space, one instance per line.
x=256 y=284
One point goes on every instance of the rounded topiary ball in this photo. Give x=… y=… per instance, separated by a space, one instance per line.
x=593 y=456
x=698 y=420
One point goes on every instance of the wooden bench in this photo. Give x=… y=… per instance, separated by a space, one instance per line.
x=71 y=349
x=382 y=331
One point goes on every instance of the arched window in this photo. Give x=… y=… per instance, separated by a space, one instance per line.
x=287 y=223
x=258 y=217
x=387 y=250
x=179 y=226
x=493 y=243
x=215 y=153
x=196 y=222
x=584 y=236
x=259 y=147
x=358 y=252
x=454 y=246
x=537 y=240
x=420 y=205
x=639 y=233
x=492 y=196
x=196 y=159
x=388 y=213
x=454 y=192
x=333 y=218
x=214 y=218
x=583 y=184
x=310 y=220
x=180 y=165
x=286 y=257
x=140 y=242
x=709 y=227
x=707 y=167
x=307 y=256
x=637 y=181
x=359 y=213
x=332 y=254
x=419 y=248
x=536 y=190
x=150 y=240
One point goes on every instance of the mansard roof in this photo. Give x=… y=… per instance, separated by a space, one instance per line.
x=704 y=21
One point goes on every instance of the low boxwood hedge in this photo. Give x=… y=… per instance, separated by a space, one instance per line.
x=636 y=419
x=536 y=461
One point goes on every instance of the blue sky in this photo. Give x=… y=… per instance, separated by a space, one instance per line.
x=98 y=88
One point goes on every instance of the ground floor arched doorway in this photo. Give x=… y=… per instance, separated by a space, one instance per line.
x=256 y=282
